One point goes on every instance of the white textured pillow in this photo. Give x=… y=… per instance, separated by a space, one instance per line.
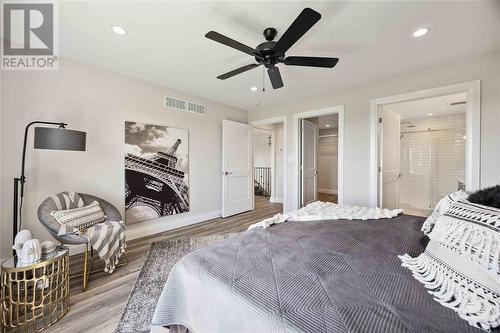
x=443 y=205
x=461 y=264
x=74 y=220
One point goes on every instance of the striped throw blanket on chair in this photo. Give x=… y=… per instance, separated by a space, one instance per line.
x=107 y=238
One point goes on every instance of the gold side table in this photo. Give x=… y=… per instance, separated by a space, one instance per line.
x=34 y=296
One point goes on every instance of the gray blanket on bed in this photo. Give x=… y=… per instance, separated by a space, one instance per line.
x=315 y=276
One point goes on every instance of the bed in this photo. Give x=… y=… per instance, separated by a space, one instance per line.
x=311 y=276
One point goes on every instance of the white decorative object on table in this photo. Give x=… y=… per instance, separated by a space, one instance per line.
x=31 y=251
x=22 y=237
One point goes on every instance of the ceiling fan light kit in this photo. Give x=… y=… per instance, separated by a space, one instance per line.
x=270 y=53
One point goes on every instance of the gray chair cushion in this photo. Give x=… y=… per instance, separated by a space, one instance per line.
x=48 y=206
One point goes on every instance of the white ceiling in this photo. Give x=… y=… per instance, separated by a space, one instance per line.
x=165 y=43
x=438 y=106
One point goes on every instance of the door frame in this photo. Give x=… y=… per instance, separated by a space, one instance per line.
x=272 y=121
x=381 y=152
x=472 y=131
x=339 y=110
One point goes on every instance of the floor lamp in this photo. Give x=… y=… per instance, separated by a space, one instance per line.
x=56 y=138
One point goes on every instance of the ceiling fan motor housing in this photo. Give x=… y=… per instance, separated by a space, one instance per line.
x=267 y=55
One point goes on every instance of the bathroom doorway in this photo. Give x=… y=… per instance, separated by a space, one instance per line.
x=423 y=151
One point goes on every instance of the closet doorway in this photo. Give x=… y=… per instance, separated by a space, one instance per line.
x=319 y=156
x=319 y=151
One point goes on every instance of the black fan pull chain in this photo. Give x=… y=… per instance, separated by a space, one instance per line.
x=263 y=80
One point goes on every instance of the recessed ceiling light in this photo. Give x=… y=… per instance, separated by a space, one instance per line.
x=420 y=32
x=327 y=125
x=253 y=88
x=429 y=114
x=118 y=30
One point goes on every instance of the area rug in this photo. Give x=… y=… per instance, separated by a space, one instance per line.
x=161 y=257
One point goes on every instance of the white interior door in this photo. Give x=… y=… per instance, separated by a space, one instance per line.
x=237 y=168
x=390 y=164
x=309 y=161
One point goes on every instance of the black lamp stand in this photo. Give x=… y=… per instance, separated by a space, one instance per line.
x=45 y=138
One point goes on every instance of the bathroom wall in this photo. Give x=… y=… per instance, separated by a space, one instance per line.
x=432 y=159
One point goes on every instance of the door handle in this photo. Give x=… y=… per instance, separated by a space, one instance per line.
x=227 y=173
x=400 y=176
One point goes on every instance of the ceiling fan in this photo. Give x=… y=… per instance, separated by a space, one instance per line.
x=271 y=53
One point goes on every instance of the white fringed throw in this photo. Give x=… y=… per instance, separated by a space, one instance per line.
x=319 y=210
x=460 y=265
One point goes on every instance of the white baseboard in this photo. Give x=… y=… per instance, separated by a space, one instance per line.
x=149 y=228
x=327 y=191
x=276 y=199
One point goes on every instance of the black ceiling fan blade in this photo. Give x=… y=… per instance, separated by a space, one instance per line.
x=306 y=19
x=230 y=42
x=311 y=61
x=237 y=71
x=275 y=77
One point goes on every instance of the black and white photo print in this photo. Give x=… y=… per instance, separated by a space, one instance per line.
x=156 y=171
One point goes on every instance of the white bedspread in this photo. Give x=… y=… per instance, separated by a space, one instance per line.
x=319 y=210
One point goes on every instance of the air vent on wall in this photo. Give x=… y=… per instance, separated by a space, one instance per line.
x=184 y=105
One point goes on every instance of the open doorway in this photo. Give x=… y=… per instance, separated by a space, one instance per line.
x=262 y=157
x=319 y=159
x=472 y=137
x=269 y=151
x=319 y=142
x=422 y=146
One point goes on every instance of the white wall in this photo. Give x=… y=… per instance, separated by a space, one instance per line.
x=328 y=161
x=99 y=102
x=261 y=150
x=357 y=118
x=279 y=163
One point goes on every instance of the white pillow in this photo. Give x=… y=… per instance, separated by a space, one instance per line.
x=443 y=205
x=74 y=220
x=460 y=265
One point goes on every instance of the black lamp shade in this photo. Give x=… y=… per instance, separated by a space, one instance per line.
x=59 y=139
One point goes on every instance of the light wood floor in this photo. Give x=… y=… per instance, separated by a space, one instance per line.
x=98 y=309
x=328 y=197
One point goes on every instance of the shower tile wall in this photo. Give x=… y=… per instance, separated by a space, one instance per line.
x=432 y=162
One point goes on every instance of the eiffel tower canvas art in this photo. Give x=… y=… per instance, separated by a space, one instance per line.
x=156 y=171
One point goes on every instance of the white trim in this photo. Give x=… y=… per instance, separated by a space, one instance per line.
x=272 y=121
x=327 y=191
x=339 y=109
x=276 y=199
x=473 y=130
x=273 y=164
